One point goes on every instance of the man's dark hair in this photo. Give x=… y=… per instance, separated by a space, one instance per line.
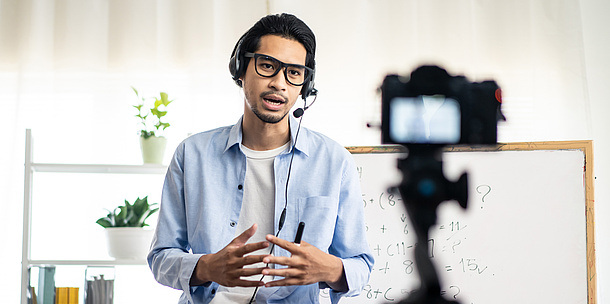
x=284 y=25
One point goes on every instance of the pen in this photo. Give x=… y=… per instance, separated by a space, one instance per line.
x=297 y=238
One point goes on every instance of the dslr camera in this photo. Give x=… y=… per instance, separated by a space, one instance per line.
x=432 y=107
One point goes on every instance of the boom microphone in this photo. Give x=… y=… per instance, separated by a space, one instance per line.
x=298 y=112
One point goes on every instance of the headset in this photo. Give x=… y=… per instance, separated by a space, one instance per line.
x=237 y=67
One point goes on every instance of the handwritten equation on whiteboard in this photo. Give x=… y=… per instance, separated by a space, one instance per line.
x=504 y=248
x=393 y=243
x=393 y=240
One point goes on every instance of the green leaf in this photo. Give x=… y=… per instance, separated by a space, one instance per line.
x=153 y=211
x=147 y=134
x=158 y=102
x=164 y=99
x=139 y=207
x=122 y=213
x=104 y=222
x=141 y=201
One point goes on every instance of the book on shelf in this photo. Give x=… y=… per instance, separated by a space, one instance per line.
x=46 y=285
x=32 y=296
x=66 y=295
x=99 y=285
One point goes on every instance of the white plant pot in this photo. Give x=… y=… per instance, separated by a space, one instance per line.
x=130 y=243
x=153 y=149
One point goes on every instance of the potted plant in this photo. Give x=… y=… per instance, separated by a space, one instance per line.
x=151 y=142
x=127 y=234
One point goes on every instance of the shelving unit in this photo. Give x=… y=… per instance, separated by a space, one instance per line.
x=30 y=169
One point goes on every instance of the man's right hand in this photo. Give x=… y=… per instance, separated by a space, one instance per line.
x=226 y=267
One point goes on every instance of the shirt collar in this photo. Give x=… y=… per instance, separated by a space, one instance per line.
x=236 y=135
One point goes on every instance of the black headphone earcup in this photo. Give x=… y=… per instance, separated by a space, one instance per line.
x=235 y=63
x=306 y=91
x=308 y=87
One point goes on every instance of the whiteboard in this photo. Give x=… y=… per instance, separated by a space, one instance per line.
x=522 y=239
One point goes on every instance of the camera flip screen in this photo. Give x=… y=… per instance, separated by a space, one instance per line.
x=425 y=120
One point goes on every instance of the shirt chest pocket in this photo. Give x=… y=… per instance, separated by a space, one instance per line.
x=319 y=213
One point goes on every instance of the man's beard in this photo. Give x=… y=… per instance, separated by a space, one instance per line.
x=272 y=119
x=268 y=118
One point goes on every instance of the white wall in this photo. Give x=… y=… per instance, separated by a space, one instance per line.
x=583 y=118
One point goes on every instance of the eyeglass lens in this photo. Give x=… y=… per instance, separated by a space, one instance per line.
x=268 y=67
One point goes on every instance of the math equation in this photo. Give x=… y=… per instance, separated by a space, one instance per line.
x=505 y=247
x=392 y=241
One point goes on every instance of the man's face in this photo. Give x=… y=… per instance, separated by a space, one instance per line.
x=271 y=98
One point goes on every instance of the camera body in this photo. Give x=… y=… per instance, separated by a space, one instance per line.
x=432 y=107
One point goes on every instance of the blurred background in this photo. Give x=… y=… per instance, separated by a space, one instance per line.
x=67 y=67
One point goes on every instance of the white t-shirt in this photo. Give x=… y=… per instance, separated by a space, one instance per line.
x=258 y=206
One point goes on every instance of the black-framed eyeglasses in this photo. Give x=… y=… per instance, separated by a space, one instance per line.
x=268 y=66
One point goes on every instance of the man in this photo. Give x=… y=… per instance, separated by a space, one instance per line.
x=233 y=194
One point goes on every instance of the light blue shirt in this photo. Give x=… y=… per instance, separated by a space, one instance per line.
x=202 y=197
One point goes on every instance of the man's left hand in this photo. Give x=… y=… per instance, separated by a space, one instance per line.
x=307 y=265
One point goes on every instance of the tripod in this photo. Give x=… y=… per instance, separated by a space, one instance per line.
x=423 y=188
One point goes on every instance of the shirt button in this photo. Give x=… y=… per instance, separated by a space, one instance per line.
x=239 y=187
x=233 y=224
x=213 y=291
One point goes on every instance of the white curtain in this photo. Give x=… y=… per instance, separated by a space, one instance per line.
x=66 y=67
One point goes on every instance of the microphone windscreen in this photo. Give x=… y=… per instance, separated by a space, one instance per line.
x=298 y=112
